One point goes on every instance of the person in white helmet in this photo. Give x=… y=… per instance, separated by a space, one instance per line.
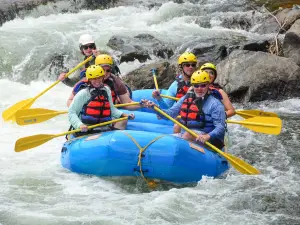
x=87 y=47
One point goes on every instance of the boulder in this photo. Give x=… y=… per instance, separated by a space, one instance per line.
x=212 y=48
x=256 y=76
x=285 y=17
x=259 y=45
x=140 y=47
x=241 y=21
x=142 y=78
x=291 y=43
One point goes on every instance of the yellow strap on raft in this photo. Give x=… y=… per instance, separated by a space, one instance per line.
x=151 y=183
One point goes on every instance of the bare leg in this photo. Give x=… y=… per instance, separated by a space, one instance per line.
x=121 y=125
x=176 y=129
x=188 y=136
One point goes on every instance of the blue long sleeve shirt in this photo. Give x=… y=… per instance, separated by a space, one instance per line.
x=166 y=103
x=213 y=110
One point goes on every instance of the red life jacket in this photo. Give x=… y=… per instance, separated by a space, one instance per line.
x=97 y=109
x=192 y=114
x=110 y=83
x=84 y=84
x=182 y=87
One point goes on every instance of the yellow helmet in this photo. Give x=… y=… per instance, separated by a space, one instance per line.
x=200 y=76
x=104 y=59
x=209 y=66
x=94 y=71
x=187 y=57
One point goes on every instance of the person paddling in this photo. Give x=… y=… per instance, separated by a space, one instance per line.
x=87 y=47
x=187 y=63
x=200 y=111
x=94 y=104
x=120 y=92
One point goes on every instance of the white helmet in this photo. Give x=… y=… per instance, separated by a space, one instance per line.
x=86 y=39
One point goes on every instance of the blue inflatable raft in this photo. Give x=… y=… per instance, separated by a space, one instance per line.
x=138 y=95
x=161 y=156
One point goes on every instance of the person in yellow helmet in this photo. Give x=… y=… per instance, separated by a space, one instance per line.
x=119 y=91
x=187 y=63
x=87 y=47
x=200 y=111
x=93 y=104
x=215 y=88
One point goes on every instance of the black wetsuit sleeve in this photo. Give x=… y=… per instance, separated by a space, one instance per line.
x=71 y=81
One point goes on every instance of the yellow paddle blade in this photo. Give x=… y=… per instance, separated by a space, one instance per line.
x=254 y=112
x=29 y=142
x=242 y=166
x=9 y=114
x=237 y=163
x=32 y=141
x=266 y=125
x=37 y=115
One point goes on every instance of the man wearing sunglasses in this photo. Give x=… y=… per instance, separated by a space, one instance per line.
x=187 y=63
x=87 y=48
x=200 y=111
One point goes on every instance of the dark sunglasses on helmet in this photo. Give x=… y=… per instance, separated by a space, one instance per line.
x=91 y=46
x=200 y=85
x=189 y=64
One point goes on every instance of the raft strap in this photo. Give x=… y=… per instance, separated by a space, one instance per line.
x=151 y=183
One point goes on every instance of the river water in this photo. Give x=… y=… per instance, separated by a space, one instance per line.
x=35 y=189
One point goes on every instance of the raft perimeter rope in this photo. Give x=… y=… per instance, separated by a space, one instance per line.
x=151 y=183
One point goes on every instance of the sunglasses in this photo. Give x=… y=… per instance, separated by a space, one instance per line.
x=200 y=85
x=108 y=71
x=190 y=64
x=91 y=46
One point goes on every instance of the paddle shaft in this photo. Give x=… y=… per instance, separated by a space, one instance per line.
x=29 y=142
x=9 y=113
x=246 y=115
x=93 y=126
x=154 y=78
x=170 y=97
x=246 y=123
x=237 y=163
x=127 y=104
x=68 y=74
x=156 y=87
x=56 y=113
